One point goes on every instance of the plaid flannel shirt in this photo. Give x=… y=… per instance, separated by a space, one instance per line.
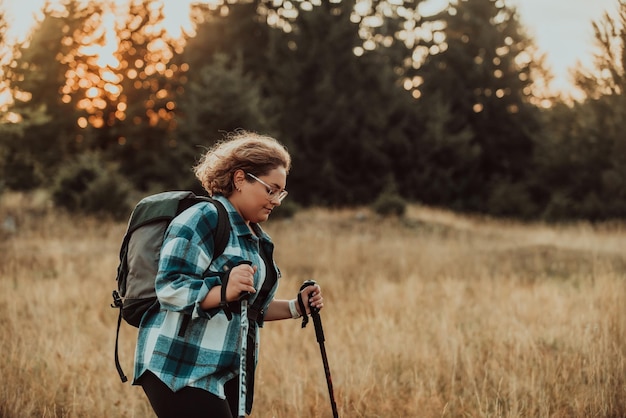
x=206 y=355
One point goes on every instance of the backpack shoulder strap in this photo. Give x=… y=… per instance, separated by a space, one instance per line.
x=222 y=231
x=221 y=234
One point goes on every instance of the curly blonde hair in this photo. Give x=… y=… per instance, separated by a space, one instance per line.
x=240 y=150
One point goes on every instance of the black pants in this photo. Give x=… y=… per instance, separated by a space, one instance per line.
x=189 y=402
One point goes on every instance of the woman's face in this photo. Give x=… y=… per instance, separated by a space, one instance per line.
x=258 y=195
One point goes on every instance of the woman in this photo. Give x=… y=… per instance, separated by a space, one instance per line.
x=187 y=357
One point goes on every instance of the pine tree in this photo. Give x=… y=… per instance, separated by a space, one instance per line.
x=37 y=77
x=340 y=104
x=136 y=123
x=228 y=60
x=591 y=148
x=478 y=62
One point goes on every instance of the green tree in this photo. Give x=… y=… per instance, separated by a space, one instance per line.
x=441 y=165
x=343 y=106
x=4 y=95
x=478 y=61
x=296 y=64
x=227 y=60
x=220 y=98
x=582 y=164
x=74 y=95
x=606 y=77
x=568 y=164
x=133 y=117
x=37 y=75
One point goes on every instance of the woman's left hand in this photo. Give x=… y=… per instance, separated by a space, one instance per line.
x=312 y=294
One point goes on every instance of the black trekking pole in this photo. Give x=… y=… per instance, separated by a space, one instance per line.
x=319 y=333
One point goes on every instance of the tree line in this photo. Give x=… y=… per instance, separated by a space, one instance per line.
x=371 y=98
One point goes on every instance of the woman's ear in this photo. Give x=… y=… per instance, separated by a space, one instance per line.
x=239 y=176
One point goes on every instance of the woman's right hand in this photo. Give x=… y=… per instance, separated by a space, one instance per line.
x=240 y=280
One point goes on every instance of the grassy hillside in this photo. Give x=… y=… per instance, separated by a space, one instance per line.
x=435 y=315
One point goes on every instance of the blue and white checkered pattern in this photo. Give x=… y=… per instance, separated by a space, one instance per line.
x=206 y=355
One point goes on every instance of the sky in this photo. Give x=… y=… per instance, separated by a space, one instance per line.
x=561 y=28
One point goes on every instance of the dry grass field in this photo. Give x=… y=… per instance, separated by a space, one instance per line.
x=434 y=315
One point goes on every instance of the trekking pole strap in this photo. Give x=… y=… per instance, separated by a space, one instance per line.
x=223 y=302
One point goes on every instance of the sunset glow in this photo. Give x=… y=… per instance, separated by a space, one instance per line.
x=561 y=28
x=100 y=73
x=22 y=14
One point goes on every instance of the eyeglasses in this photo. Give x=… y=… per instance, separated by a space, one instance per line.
x=272 y=192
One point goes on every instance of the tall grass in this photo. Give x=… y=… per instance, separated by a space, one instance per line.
x=435 y=315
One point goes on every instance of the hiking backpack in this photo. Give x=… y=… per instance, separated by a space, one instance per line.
x=141 y=248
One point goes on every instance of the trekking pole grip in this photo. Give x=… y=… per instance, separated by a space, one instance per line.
x=305 y=317
x=315 y=314
x=244 y=295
